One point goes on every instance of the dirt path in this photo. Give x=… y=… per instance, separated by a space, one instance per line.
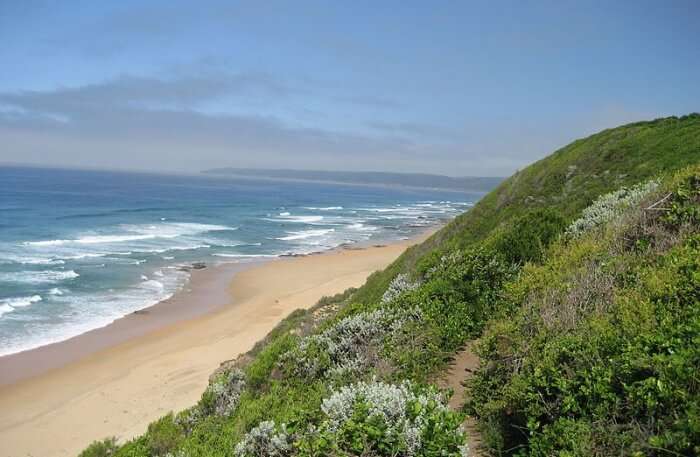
x=461 y=369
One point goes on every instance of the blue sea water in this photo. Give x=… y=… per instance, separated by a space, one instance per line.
x=79 y=249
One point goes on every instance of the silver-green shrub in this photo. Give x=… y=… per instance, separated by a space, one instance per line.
x=609 y=206
x=189 y=418
x=225 y=392
x=400 y=284
x=264 y=440
x=404 y=412
x=350 y=345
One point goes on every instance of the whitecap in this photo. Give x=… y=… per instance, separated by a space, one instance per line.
x=38 y=277
x=225 y=254
x=20 y=302
x=136 y=233
x=91 y=255
x=4 y=309
x=304 y=234
x=36 y=260
x=153 y=284
x=298 y=219
x=360 y=227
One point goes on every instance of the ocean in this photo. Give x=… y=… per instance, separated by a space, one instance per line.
x=79 y=249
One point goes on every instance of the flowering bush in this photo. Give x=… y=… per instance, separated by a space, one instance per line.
x=398 y=286
x=375 y=418
x=265 y=440
x=609 y=206
x=349 y=346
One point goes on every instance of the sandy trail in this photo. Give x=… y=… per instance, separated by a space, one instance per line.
x=461 y=369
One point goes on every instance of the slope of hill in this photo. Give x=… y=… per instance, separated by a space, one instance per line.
x=416 y=180
x=565 y=182
x=579 y=279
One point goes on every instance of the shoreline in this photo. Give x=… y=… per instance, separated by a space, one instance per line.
x=116 y=379
x=205 y=289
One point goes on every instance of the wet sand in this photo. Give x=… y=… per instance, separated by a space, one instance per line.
x=115 y=380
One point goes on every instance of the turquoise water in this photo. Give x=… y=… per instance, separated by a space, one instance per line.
x=79 y=249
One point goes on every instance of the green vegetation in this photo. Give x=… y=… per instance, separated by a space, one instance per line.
x=565 y=182
x=579 y=279
x=601 y=356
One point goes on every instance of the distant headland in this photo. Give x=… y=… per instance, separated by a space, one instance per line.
x=417 y=180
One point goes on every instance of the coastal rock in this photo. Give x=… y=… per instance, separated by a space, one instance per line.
x=193 y=266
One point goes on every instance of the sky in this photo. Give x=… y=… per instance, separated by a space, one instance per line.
x=461 y=88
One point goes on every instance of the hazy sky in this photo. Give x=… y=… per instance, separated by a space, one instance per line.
x=460 y=88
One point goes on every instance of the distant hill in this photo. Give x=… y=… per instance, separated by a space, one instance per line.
x=422 y=180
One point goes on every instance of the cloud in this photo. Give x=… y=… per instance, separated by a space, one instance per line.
x=135 y=122
x=181 y=124
x=371 y=101
x=130 y=91
x=415 y=129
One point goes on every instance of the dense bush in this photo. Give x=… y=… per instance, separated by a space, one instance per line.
x=609 y=206
x=349 y=346
x=526 y=239
x=104 y=448
x=163 y=436
x=264 y=440
x=399 y=285
x=223 y=393
x=602 y=356
x=462 y=292
x=378 y=419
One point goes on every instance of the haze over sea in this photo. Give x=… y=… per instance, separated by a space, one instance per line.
x=79 y=249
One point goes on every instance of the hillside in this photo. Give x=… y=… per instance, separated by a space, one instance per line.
x=565 y=182
x=577 y=281
x=375 y=178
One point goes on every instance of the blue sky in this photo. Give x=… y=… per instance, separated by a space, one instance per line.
x=460 y=88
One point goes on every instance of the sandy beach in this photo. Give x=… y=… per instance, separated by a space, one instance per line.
x=114 y=381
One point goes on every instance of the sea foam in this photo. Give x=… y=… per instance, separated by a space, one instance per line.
x=304 y=234
x=38 y=277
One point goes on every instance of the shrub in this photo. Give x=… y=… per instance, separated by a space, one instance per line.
x=348 y=346
x=601 y=356
x=381 y=419
x=104 y=448
x=222 y=395
x=163 y=436
x=609 y=207
x=527 y=238
x=188 y=419
x=265 y=440
x=398 y=286
x=462 y=292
